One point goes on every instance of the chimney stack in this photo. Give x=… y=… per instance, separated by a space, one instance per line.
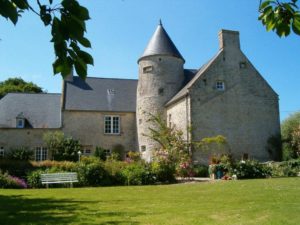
x=229 y=39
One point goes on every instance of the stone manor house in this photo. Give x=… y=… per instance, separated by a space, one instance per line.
x=226 y=96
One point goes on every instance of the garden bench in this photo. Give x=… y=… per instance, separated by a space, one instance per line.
x=59 y=178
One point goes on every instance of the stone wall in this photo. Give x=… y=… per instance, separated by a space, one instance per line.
x=88 y=128
x=178 y=115
x=11 y=138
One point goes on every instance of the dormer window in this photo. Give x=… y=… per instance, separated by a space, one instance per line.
x=20 y=121
x=111 y=91
x=220 y=85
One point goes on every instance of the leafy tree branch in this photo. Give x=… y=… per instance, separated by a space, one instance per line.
x=68 y=27
x=280 y=17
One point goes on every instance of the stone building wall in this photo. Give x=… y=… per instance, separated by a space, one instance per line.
x=246 y=112
x=178 y=115
x=88 y=128
x=11 y=138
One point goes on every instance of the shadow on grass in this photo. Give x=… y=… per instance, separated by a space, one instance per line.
x=18 y=210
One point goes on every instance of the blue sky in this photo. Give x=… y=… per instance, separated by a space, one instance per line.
x=120 y=30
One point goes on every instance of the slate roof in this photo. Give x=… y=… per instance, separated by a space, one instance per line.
x=39 y=110
x=161 y=44
x=101 y=94
x=184 y=91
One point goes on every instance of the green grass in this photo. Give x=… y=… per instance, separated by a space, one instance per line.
x=265 y=201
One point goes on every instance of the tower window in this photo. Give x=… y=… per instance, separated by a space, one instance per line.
x=161 y=91
x=1 y=152
x=147 y=69
x=220 y=85
x=112 y=124
x=143 y=148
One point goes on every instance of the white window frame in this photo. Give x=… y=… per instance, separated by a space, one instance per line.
x=107 y=152
x=220 y=85
x=2 y=152
x=111 y=129
x=41 y=154
x=20 y=125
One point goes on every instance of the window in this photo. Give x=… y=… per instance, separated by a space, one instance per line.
x=170 y=120
x=161 y=91
x=1 y=152
x=111 y=91
x=107 y=152
x=41 y=153
x=143 y=148
x=147 y=69
x=20 y=123
x=220 y=85
x=112 y=125
x=242 y=65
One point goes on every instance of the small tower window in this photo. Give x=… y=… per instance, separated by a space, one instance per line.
x=220 y=85
x=140 y=121
x=242 y=65
x=1 y=152
x=143 y=148
x=147 y=69
x=161 y=91
x=170 y=120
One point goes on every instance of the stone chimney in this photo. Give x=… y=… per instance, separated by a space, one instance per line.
x=229 y=39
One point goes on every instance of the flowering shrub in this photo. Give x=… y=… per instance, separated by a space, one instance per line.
x=185 y=168
x=251 y=169
x=7 y=181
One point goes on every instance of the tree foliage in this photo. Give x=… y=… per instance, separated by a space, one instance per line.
x=290 y=132
x=67 y=20
x=18 y=85
x=62 y=147
x=280 y=16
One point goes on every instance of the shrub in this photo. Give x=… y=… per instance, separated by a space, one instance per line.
x=7 y=181
x=114 y=169
x=251 y=169
x=100 y=153
x=289 y=168
x=200 y=170
x=163 y=171
x=16 y=167
x=60 y=165
x=119 y=150
x=34 y=179
x=22 y=153
x=92 y=174
x=138 y=174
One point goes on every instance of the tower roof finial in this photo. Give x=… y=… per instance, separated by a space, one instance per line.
x=160 y=23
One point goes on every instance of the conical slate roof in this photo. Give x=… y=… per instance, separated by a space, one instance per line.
x=161 y=44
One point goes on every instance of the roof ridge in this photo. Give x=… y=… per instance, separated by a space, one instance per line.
x=108 y=78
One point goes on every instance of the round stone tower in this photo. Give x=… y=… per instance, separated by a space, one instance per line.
x=161 y=76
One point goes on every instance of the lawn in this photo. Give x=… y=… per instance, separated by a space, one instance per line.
x=265 y=201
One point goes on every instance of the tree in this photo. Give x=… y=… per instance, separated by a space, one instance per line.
x=62 y=147
x=18 y=85
x=290 y=132
x=281 y=17
x=67 y=21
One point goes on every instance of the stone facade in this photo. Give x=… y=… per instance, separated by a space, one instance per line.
x=88 y=128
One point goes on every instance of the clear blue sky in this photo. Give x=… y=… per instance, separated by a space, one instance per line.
x=120 y=30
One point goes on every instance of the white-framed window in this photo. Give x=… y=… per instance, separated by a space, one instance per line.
x=1 y=152
x=111 y=91
x=41 y=153
x=87 y=150
x=107 y=152
x=20 y=123
x=112 y=124
x=220 y=85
